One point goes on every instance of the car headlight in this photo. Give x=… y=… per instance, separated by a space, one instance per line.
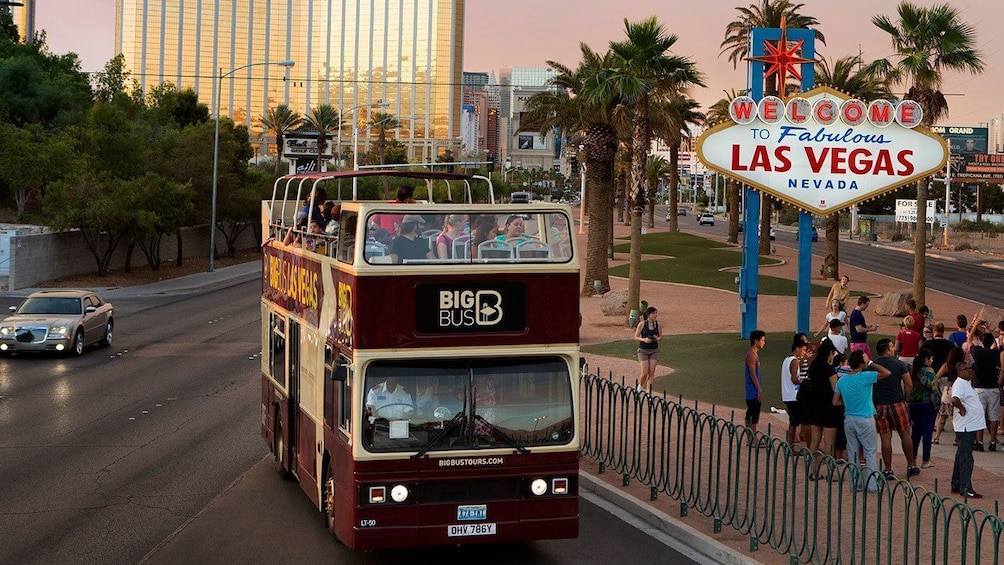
x=6 y=331
x=60 y=331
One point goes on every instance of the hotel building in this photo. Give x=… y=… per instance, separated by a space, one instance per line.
x=348 y=53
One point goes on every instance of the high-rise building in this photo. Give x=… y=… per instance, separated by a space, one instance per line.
x=23 y=13
x=348 y=54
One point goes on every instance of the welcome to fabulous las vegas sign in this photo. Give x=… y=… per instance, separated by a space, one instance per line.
x=822 y=150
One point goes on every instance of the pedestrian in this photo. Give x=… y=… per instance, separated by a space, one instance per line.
x=859 y=328
x=791 y=379
x=836 y=313
x=968 y=420
x=946 y=378
x=988 y=379
x=854 y=393
x=911 y=311
x=754 y=392
x=908 y=340
x=647 y=334
x=938 y=346
x=923 y=400
x=959 y=336
x=836 y=335
x=839 y=291
x=892 y=414
x=816 y=398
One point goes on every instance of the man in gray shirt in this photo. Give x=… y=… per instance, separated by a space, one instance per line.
x=892 y=411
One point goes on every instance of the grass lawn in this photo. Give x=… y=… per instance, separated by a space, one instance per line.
x=699 y=261
x=709 y=367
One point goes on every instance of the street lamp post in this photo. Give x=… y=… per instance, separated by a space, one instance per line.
x=216 y=149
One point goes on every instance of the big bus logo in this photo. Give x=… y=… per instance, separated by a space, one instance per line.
x=469 y=308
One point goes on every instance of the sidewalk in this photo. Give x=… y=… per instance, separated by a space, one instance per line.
x=686 y=309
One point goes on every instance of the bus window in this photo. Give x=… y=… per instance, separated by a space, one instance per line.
x=345 y=399
x=559 y=236
x=448 y=404
x=347 y=237
x=277 y=354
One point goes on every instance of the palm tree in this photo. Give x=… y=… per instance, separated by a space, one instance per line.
x=671 y=119
x=580 y=104
x=926 y=42
x=644 y=71
x=279 y=120
x=382 y=122
x=719 y=113
x=768 y=14
x=657 y=169
x=851 y=77
x=323 y=119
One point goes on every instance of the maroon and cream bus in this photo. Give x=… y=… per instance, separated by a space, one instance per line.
x=424 y=392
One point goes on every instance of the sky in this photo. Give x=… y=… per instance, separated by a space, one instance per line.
x=528 y=33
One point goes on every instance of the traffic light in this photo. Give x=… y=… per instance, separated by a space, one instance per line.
x=491 y=164
x=574 y=162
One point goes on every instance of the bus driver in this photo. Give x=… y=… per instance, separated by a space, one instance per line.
x=389 y=400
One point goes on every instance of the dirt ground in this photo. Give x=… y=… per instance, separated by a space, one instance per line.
x=142 y=274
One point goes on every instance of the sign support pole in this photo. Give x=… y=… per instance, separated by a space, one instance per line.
x=803 y=304
x=948 y=191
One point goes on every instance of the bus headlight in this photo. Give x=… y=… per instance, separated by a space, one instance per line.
x=538 y=487
x=399 y=493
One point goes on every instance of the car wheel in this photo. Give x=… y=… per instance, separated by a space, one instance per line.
x=77 y=349
x=107 y=340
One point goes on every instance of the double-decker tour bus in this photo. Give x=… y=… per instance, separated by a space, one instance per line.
x=420 y=367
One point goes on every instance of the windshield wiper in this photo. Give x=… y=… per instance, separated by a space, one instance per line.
x=519 y=447
x=439 y=435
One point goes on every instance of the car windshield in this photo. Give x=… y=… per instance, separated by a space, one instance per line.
x=454 y=404
x=50 y=305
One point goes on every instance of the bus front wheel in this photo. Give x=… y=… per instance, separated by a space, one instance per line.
x=329 y=499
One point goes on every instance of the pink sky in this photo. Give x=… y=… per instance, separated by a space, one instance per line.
x=528 y=33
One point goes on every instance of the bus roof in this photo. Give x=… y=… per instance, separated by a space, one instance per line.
x=325 y=175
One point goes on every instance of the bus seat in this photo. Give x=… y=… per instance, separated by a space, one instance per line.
x=380 y=260
x=462 y=247
x=533 y=250
x=494 y=249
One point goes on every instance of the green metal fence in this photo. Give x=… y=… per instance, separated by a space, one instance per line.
x=760 y=487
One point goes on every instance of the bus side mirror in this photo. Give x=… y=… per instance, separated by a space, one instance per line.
x=340 y=372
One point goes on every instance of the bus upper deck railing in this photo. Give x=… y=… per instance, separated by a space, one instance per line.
x=760 y=486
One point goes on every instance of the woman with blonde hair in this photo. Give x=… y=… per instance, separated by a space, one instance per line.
x=453 y=227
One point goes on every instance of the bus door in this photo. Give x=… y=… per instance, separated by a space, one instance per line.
x=293 y=339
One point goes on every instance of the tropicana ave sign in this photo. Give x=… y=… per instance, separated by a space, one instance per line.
x=823 y=151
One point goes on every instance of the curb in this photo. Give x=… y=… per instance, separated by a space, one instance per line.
x=685 y=539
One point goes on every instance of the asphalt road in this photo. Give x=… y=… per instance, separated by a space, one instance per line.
x=148 y=451
x=967 y=279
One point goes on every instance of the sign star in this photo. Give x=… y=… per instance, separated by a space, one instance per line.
x=782 y=58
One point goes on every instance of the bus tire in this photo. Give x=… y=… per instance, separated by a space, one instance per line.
x=328 y=498
x=279 y=447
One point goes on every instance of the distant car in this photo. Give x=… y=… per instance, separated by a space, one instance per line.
x=706 y=218
x=679 y=212
x=815 y=234
x=773 y=233
x=63 y=321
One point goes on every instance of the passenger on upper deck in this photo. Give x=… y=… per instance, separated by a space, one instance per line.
x=453 y=227
x=484 y=228
x=318 y=197
x=513 y=233
x=405 y=195
x=408 y=245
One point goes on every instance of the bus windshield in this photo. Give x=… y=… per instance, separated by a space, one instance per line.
x=460 y=404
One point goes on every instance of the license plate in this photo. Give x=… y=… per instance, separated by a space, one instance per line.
x=461 y=530
x=472 y=512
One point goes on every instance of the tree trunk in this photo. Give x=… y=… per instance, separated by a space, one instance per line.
x=650 y=190
x=639 y=142
x=766 y=208
x=735 y=202
x=599 y=185
x=920 y=246
x=831 y=260
x=674 y=187
x=278 y=151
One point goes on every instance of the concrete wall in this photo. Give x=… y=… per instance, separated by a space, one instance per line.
x=40 y=257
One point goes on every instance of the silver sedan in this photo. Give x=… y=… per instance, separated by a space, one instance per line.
x=62 y=321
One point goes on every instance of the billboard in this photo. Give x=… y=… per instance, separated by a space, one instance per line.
x=981 y=168
x=530 y=141
x=964 y=140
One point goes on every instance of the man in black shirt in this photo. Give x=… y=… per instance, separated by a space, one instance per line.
x=987 y=382
x=408 y=245
x=891 y=410
x=938 y=346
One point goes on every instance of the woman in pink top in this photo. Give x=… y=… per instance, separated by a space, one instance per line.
x=453 y=228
